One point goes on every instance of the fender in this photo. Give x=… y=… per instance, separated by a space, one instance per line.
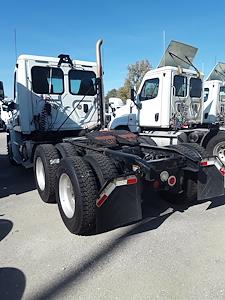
x=208 y=136
x=127 y=120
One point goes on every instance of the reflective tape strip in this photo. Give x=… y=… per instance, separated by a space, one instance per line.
x=111 y=187
x=214 y=161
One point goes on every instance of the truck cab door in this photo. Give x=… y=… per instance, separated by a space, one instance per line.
x=150 y=98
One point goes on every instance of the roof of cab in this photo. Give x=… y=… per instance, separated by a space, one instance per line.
x=49 y=59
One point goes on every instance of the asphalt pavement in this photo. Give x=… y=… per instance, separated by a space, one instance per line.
x=173 y=253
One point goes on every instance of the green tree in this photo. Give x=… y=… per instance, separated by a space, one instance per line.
x=137 y=71
x=111 y=93
x=124 y=91
x=134 y=77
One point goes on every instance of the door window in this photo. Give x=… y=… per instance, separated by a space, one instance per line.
x=150 y=89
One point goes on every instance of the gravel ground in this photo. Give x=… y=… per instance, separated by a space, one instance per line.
x=174 y=253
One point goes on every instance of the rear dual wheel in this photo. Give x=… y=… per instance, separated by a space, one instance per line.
x=76 y=195
x=78 y=183
x=46 y=161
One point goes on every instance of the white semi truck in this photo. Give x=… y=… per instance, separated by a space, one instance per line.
x=214 y=96
x=169 y=104
x=98 y=178
x=114 y=104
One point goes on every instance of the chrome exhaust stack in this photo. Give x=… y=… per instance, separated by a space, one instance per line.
x=100 y=82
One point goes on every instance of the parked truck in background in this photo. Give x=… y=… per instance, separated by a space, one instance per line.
x=169 y=104
x=97 y=177
x=113 y=105
x=214 y=96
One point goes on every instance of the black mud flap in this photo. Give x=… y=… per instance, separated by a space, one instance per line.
x=121 y=208
x=210 y=183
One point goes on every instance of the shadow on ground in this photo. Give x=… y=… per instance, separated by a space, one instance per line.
x=12 y=284
x=5 y=228
x=14 y=179
x=12 y=280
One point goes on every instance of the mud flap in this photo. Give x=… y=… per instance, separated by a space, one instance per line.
x=210 y=183
x=122 y=207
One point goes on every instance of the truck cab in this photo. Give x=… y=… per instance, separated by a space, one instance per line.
x=214 y=95
x=170 y=96
x=47 y=89
x=54 y=97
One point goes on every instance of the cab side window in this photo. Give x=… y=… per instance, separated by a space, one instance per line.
x=222 y=94
x=180 y=85
x=150 y=89
x=206 y=94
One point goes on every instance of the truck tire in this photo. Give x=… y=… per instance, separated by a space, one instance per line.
x=76 y=195
x=103 y=166
x=189 y=193
x=146 y=140
x=46 y=159
x=66 y=149
x=10 y=154
x=216 y=146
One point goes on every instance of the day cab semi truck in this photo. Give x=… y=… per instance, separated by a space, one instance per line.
x=169 y=105
x=97 y=177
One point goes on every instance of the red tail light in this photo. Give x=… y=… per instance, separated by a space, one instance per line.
x=132 y=180
x=172 y=180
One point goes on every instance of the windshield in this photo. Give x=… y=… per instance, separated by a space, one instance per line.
x=82 y=82
x=46 y=80
x=195 y=87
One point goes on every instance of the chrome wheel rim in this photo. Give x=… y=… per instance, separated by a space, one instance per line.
x=40 y=174
x=66 y=195
x=219 y=150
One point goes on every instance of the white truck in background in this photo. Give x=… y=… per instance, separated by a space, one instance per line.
x=114 y=104
x=169 y=104
x=214 y=96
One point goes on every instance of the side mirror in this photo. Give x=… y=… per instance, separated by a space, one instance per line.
x=132 y=94
x=11 y=106
x=2 y=96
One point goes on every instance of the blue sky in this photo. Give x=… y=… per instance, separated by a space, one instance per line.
x=132 y=30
